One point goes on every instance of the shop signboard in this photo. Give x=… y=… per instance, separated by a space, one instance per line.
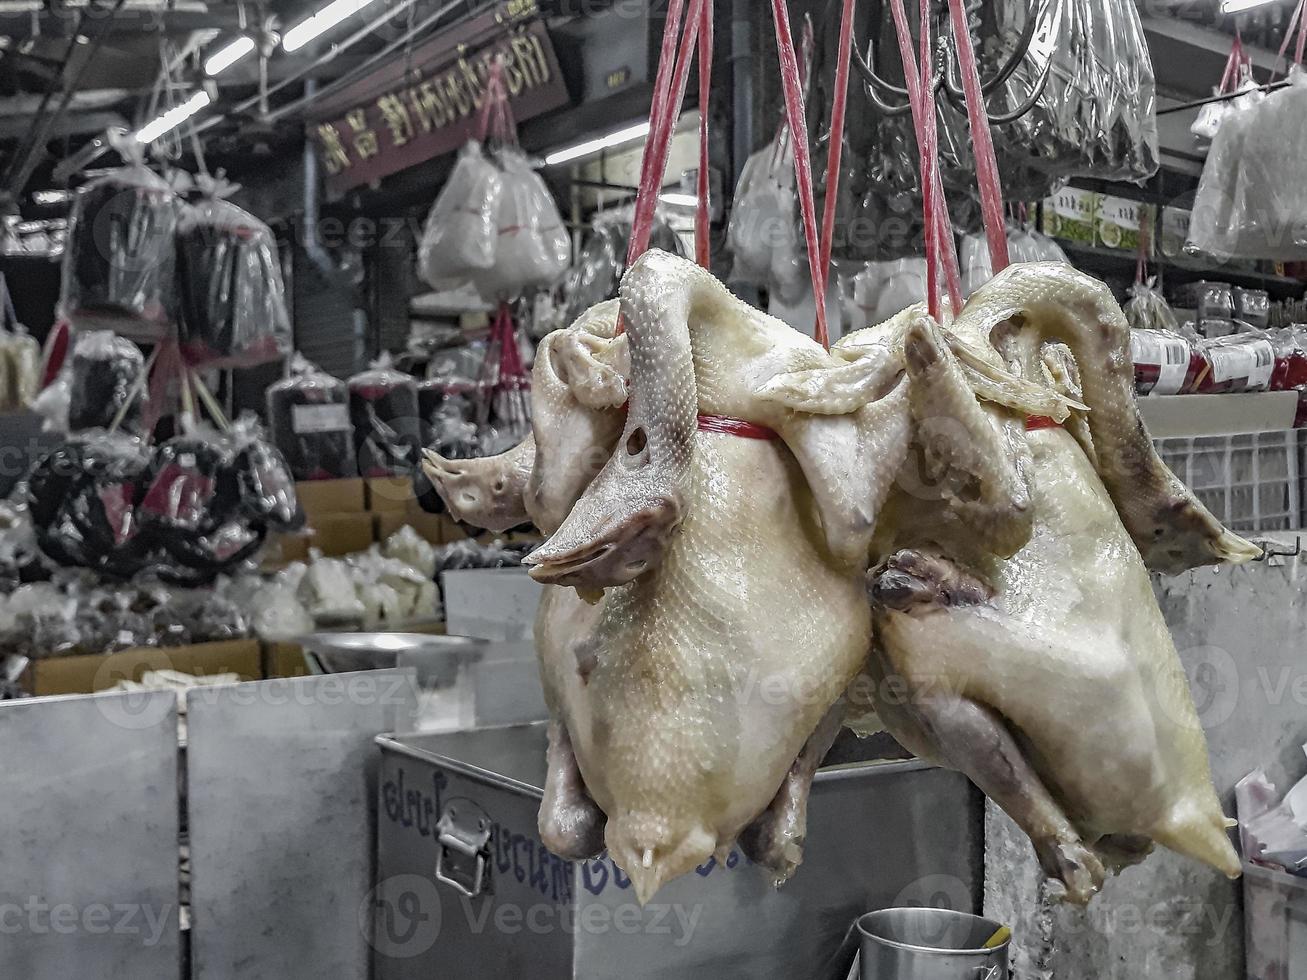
x=425 y=103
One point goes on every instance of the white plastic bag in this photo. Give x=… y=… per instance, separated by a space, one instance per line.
x=1252 y=199
x=762 y=232
x=461 y=229
x=532 y=247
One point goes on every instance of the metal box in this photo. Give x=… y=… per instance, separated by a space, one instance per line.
x=467 y=890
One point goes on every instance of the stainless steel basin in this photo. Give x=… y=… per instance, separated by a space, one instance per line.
x=437 y=659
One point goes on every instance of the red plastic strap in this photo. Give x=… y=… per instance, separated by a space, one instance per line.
x=1298 y=22
x=666 y=110
x=703 y=211
x=836 y=149
x=496 y=117
x=1037 y=422
x=1230 y=79
x=168 y=367
x=728 y=426
x=802 y=160
x=982 y=142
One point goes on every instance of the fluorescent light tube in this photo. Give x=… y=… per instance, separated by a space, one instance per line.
x=173 y=118
x=1238 y=6
x=227 y=56
x=628 y=135
x=52 y=197
x=324 y=20
x=680 y=200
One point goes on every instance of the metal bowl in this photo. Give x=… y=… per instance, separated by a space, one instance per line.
x=436 y=658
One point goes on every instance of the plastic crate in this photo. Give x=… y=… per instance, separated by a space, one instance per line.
x=1251 y=481
x=1275 y=924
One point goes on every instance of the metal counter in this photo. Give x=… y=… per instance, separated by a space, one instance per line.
x=880 y=834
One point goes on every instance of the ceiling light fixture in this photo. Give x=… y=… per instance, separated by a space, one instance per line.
x=1238 y=6
x=228 y=55
x=173 y=118
x=628 y=135
x=324 y=20
x=680 y=200
x=46 y=198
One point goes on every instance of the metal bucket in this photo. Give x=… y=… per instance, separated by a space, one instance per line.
x=930 y=944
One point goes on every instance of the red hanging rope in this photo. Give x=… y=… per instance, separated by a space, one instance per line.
x=836 y=150
x=982 y=142
x=662 y=126
x=802 y=160
x=1298 y=22
x=703 y=209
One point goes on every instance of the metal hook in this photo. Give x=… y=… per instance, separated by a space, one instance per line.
x=1271 y=549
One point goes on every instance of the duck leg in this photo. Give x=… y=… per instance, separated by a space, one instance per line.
x=775 y=839
x=571 y=823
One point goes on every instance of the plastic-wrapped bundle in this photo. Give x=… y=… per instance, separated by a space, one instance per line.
x=82 y=497
x=118 y=267
x=104 y=370
x=181 y=490
x=448 y=412
x=1252 y=199
x=1241 y=363
x=1163 y=360
x=260 y=481
x=599 y=268
x=532 y=246
x=232 y=302
x=462 y=228
x=308 y=416
x=1147 y=309
x=762 y=232
x=383 y=408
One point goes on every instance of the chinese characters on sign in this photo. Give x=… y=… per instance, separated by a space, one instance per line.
x=435 y=109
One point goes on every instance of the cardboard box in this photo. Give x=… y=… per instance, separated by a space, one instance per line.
x=283 y=659
x=320 y=498
x=1120 y=224
x=1070 y=215
x=390 y=494
x=337 y=535
x=282 y=549
x=86 y=675
x=430 y=527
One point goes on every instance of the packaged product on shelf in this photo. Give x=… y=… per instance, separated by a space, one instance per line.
x=231 y=299
x=383 y=410
x=1241 y=363
x=462 y=228
x=1290 y=359
x=119 y=264
x=104 y=371
x=309 y=420
x=1252 y=198
x=1162 y=360
x=1147 y=309
x=1253 y=307
x=20 y=358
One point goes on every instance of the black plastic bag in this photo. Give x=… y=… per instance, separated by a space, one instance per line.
x=383 y=407
x=309 y=420
x=260 y=481
x=181 y=490
x=118 y=267
x=105 y=368
x=231 y=299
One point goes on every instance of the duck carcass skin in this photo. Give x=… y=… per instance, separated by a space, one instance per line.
x=1050 y=678
x=689 y=693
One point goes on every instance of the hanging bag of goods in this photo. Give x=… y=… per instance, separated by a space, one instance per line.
x=231 y=299
x=495 y=224
x=383 y=410
x=308 y=415
x=104 y=377
x=1252 y=199
x=119 y=266
x=20 y=358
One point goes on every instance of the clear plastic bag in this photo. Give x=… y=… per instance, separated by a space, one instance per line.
x=383 y=410
x=461 y=230
x=763 y=233
x=260 y=480
x=885 y=289
x=1252 y=199
x=532 y=246
x=118 y=266
x=231 y=299
x=1147 y=309
x=102 y=375
x=308 y=417
x=599 y=268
